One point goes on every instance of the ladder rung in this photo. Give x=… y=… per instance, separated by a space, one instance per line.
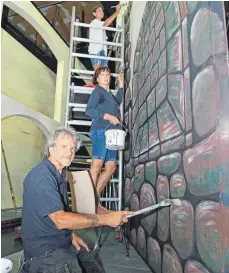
x=82 y=157
x=91 y=26
x=86 y=90
x=114 y=180
x=84 y=133
x=82 y=89
x=96 y=41
x=78 y=109
x=79 y=160
x=88 y=141
x=82 y=77
x=96 y=57
x=75 y=169
x=79 y=122
x=109 y=199
x=88 y=72
x=79 y=105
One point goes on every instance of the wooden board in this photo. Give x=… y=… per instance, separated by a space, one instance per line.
x=84 y=192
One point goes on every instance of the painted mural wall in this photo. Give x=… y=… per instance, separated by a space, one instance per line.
x=177 y=113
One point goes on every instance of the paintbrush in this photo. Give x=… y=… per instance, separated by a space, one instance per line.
x=164 y=203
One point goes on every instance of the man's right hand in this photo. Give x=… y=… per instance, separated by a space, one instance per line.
x=113 y=119
x=117 y=218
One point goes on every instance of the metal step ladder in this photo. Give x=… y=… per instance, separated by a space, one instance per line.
x=77 y=97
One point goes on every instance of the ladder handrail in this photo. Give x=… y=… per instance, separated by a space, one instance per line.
x=120 y=173
x=70 y=63
x=116 y=37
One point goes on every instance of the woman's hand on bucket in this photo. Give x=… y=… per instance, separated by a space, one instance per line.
x=121 y=80
x=113 y=119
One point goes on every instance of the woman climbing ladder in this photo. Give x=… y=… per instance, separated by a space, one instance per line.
x=104 y=110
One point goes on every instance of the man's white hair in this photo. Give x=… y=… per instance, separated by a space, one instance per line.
x=52 y=139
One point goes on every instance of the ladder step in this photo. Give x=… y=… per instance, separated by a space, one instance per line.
x=84 y=133
x=78 y=109
x=79 y=105
x=88 y=141
x=82 y=90
x=86 y=90
x=77 y=24
x=114 y=180
x=80 y=122
x=75 y=169
x=87 y=144
x=96 y=57
x=82 y=77
x=78 y=39
x=88 y=72
x=109 y=199
x=81 y=161
x=82 y=156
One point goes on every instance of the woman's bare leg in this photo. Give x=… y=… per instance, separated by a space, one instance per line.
x=105 y=176
x=96 y=166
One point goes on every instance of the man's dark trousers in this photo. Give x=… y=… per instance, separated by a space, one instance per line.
x=64 y=260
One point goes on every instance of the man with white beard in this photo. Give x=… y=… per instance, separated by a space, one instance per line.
x=47 y=221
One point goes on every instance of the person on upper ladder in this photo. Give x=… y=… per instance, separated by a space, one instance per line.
x=104 y=110
x=97 y=34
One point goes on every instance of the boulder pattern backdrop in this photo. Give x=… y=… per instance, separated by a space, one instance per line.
x=177 y=112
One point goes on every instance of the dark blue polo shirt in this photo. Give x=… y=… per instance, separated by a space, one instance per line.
x=45 y=192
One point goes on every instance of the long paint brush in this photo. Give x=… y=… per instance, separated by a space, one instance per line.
x=164 y=203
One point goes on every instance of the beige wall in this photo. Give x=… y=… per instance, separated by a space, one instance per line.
x=22 y=142
x=25 y=78
x=29 y=81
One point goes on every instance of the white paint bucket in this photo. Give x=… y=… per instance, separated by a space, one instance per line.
x=6 y=265
x=115 y=139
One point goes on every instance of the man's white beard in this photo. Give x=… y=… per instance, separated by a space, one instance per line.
x=67 y=163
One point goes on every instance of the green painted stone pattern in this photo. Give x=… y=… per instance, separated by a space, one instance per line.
x=172 y=19
x=151 y=172
x=139 y=177
x=169 y=164
x=174 y=47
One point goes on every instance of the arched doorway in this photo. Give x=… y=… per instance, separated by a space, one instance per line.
x=23 y=139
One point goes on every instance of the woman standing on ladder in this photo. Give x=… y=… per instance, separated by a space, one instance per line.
x=104 y=109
